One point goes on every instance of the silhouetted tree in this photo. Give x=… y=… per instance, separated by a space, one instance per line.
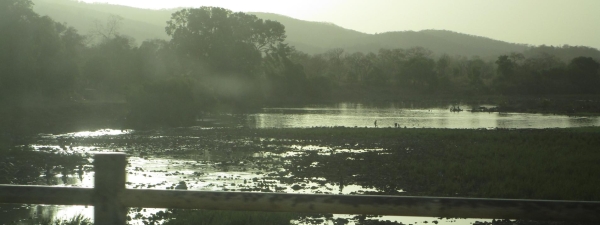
x=112 y=68
x=159 y=60
x=476 y=73
x=39 y=66
x=109 y=29
x=288 y=82
x=419 y=73
x=224 y=40
x=391 y=62
x=583 y=71
x=506 y=67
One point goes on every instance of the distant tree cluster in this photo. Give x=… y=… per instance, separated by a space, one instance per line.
x=546 y=74
x=418 y=71
x=219 y=60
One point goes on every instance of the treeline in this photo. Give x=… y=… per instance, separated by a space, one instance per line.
x=416 y=71
x=223 y=61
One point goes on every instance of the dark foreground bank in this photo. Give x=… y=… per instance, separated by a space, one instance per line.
x=557 y=164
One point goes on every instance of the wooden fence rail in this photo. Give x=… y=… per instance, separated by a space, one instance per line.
x=110 y=199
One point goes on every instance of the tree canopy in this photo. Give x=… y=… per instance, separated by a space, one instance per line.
x=224 y=40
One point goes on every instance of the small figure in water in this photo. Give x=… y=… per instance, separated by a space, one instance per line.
x=80 y=172
x=375 y=123
x=181 y=186
x=395 y=125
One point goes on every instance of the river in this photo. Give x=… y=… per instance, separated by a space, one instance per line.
x=359 y=115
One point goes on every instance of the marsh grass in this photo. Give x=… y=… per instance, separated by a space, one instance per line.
x=77 y=220
x=561 y=164
x=23 y=165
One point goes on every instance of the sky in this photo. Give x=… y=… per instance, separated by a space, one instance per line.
x=535 y=22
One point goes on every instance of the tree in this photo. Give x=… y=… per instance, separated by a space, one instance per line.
x=225 y=41
x=15 y=10
x=391 y=62
x=506 y=66
x=158 y=59
x=39 y=67
x=583 y=72
x=287 y=80
x=112 y=67
x=335 y=70
x=476 y=73
x=419 y=72
x=418 y=52
x=38 y=56
x=108 y=30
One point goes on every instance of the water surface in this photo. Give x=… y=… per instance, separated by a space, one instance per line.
x=359 y=115
x=216 y=168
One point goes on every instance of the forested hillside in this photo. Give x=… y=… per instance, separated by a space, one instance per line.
x=309 y=37
x=140 y=24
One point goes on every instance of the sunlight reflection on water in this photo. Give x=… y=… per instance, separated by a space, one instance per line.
x=358 y=115
x=97 y=133
x=162 y=173
x=204 y=174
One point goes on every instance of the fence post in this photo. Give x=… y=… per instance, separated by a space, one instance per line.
x=109 y=185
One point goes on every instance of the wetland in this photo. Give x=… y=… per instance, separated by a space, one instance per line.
x=557 y=164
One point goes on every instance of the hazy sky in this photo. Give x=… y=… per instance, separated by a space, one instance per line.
x=550 y=22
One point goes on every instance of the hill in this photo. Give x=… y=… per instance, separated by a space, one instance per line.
x=140 y=24
x=317 y=37
x=306 y=36
x=314 y=37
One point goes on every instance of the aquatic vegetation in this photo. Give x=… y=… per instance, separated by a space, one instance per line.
x=500 y=163
x=76 y=220
x=543 y=164
x=23 y=165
